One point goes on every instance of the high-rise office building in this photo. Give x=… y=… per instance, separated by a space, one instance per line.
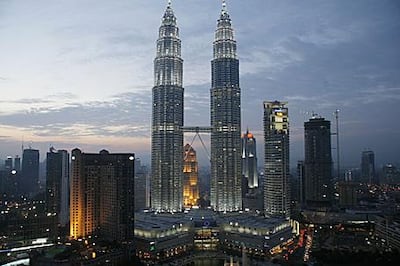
x=226 y=174
x=302 y=182
x=249 y=160
x=8 y=164
x=29 y=178
x=190 y=177
x=390 y=174
x=276 y=157
x=17 y=163
x=368 y=167
x=8 y=179
x=318 y=161
x=167 y=119
x=102 y=195
x=57 y=185
x=142 y=186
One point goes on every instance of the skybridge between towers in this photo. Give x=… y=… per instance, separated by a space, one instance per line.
x=197 y=130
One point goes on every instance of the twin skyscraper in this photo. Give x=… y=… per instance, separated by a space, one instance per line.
x=168 y=116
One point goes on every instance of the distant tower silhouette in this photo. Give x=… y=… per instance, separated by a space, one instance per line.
x=57 y=184
x=249 y=160
x=30 y=172
x=368 y=167
x=318 y=161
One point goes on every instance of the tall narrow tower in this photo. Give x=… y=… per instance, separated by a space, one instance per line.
x=276 y=156
x=57 y=184
x=318 y=162
x=190 y=177
x=249 y=160
x=167 y=134
x=226 y=171
x=368 y=167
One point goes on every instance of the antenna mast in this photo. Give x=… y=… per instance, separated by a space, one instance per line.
x=336 y=113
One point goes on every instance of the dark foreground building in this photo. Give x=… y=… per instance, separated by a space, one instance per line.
x=318 y=162
x=28 y=184
x=102 y=199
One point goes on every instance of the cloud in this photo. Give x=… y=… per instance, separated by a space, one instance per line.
x=123 y=115
x=85 y=68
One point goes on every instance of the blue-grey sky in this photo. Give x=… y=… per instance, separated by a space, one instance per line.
x=79 y=73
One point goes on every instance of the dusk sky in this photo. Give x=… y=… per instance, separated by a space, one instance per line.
x=79 y=73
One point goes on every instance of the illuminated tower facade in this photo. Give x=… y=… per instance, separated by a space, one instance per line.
x=190 y=177
x=249 y=160
x=167 y=119
x=226 y=174
x=102 y=195
x=276 y=156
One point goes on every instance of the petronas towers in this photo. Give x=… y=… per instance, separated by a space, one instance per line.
x=166 y=131
x=226 y=170
x=167 y=119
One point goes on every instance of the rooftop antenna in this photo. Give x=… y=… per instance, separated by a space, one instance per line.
x=336 y=113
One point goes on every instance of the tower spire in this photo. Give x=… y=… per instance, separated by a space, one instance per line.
x=169 y=3
x=224 y=6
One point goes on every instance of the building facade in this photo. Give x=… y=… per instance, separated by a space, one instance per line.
x=163 y=237
x=142 y=186
x=190 y=177
x=57 y=185
x=28 y=184
x=17 y=163
x=226 y=174
x=8 y=163
x=318 y=161
x=368 y=167
x=302 y=182
x=390 y=174
x=102 y=199
x=249 y=160
x=276 y=159
x=167 y=119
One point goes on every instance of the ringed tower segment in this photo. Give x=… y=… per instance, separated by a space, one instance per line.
x=225 y=119
x=167 y=118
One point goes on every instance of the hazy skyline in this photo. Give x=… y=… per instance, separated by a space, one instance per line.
x=79 y=73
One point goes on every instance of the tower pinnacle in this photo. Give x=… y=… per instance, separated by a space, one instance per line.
x=223 y=7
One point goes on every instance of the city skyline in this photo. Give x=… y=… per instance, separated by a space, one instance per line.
x=73 y=66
